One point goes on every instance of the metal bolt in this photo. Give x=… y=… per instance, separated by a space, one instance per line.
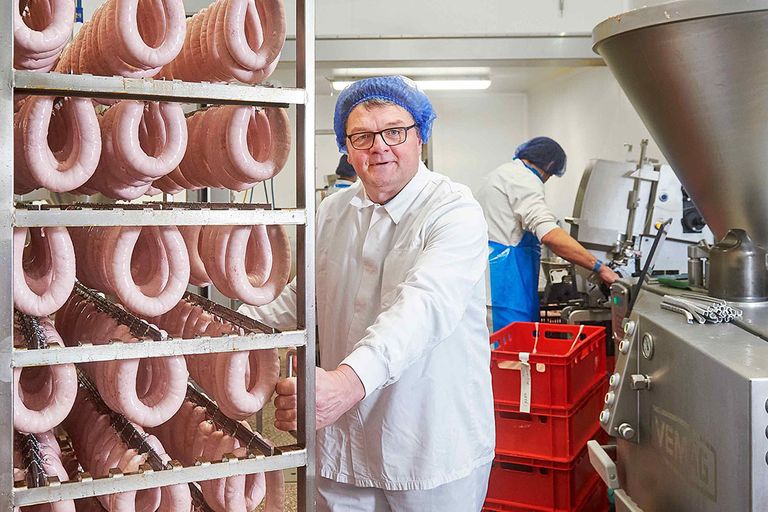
x=647 y=346
x=629 y=327
x=641 y=382
x=626 y=431
x=610 y=397
x=605 y=415
x=614 y=380
x=624 y=346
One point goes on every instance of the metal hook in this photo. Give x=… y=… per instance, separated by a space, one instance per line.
x=228 y=425
x=226 y=314
x=31 y=330
x=138 y=327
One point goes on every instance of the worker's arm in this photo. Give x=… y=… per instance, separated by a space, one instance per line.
x=562 y=244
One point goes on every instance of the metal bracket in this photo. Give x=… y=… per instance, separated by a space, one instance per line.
x=620 y=416
x=247 y=437
x=138 y=327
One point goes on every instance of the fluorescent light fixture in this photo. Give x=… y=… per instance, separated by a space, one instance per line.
x=420 y=72
x=452 y=84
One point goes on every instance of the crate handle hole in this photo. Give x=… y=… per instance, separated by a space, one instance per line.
x=519 y=416
x=509 y=466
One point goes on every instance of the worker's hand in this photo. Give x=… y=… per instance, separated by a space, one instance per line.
x=285 y=404
x=336 y=392
x=607 y=275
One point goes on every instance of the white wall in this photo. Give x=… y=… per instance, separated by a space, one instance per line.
x=476 y=132
x=588 y=113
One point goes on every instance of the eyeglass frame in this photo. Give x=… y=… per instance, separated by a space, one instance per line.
x=381 y=133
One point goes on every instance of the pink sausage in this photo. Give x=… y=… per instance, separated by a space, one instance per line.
x=272 y=15
x=60 y=279
x=245 y=381
x=37 y=163
x=52 y=37
x=120 y=275
x=238 y=279
x=43 y=396
x=197 y=274
x=166 y=379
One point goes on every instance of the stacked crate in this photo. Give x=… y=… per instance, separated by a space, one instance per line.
x=549 y=382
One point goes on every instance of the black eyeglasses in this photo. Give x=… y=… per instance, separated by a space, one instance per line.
x=391 y=136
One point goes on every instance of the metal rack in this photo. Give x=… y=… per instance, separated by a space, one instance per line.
x=300 y=455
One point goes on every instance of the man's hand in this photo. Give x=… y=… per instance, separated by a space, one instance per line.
x=336 y=392
x=607 y=275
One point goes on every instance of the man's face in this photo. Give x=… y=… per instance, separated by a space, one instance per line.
x=384 y=170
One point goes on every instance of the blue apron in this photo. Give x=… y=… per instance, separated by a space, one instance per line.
x=515 y=279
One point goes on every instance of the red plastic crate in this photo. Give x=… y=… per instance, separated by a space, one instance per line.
x=562 y=371
x=548 y=433
x=597 y=501
x=523 y=484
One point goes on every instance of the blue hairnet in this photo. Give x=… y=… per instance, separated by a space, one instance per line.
x=399 y=90
x=345 y=169
x=544 y=153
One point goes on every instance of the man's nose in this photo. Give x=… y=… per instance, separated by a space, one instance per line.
x=379 y=144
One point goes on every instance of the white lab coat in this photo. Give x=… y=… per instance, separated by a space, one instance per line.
x=512 y=198
x=400 y=299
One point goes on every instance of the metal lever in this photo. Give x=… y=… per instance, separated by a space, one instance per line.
x=603 y=464
x=661 y=235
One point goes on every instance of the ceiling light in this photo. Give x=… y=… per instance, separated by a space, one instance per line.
x=452 y=84
x=420 y=72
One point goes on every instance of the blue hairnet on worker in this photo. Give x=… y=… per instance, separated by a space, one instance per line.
x=403 y=400
x=544 y=153
x=519 y=221
x=400 y=90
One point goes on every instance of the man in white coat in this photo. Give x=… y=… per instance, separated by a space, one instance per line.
x=519 y=220
x=404 y=400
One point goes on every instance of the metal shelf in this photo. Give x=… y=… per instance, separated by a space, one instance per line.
x=147 y=479
x=171 y=347
x=115 y=87
x=149 y=215
x=13 y=215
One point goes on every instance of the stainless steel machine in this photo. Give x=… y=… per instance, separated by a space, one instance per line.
x=688 y=403
x=619 y=203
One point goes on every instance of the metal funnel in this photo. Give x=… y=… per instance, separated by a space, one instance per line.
x=697 y=73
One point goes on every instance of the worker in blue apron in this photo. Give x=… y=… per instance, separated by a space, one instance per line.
x=519 y=220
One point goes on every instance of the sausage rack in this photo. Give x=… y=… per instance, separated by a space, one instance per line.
x=13 y=214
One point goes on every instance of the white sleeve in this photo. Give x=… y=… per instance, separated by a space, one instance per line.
x=533 y=212
x=280 y=313
x=430 y=302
